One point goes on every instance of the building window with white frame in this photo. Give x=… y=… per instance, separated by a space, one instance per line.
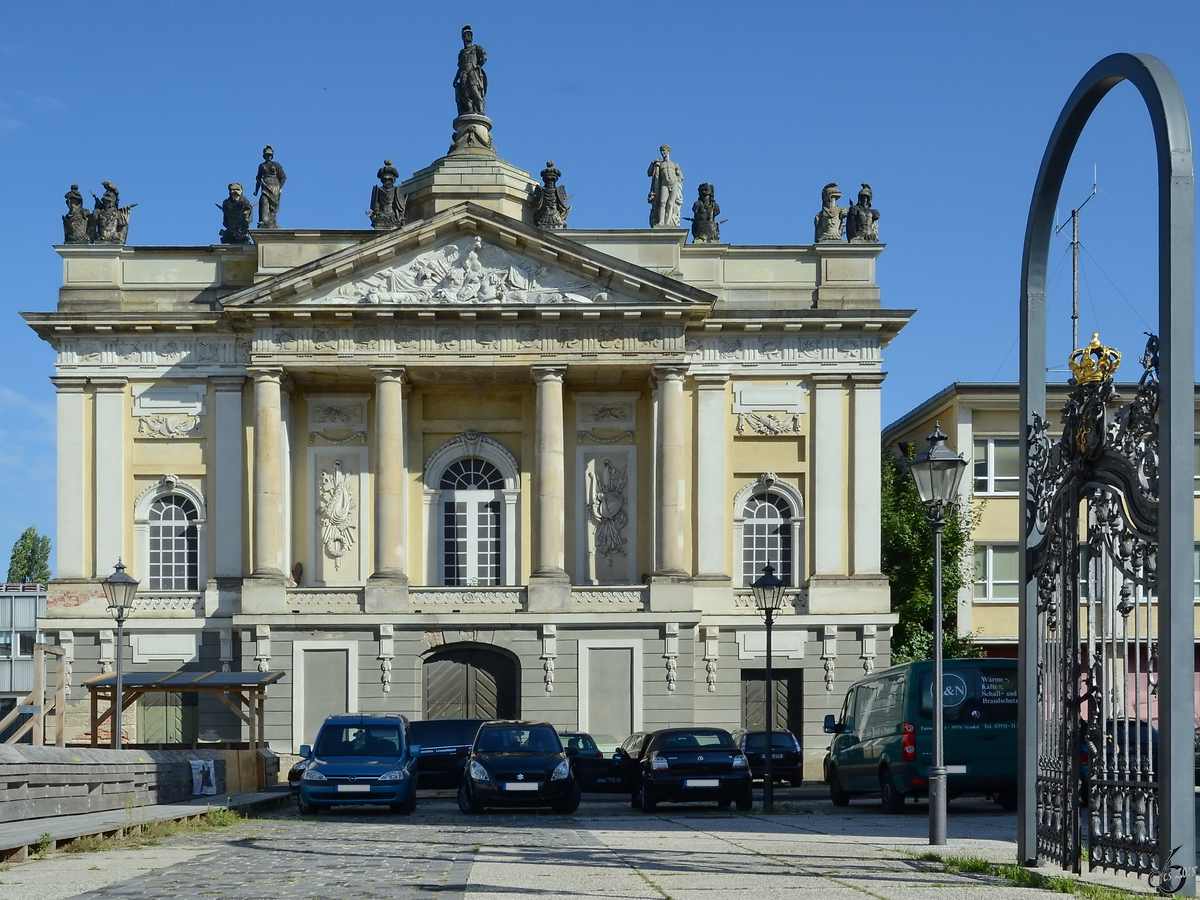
x=471 y=523
x=997 y=466
x=174 y=545
x=767 y=537
x=996 y=573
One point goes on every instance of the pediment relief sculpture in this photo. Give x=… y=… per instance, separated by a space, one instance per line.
x=467 y=271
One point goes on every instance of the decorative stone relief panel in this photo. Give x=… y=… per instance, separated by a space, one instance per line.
x=770 y=410
x=338 y=516
x=784 y=348
x=607 y=515
x=337 y=418
x=206 y=352
x=169 y=426
x=608 y=410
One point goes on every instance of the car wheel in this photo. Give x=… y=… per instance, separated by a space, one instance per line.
x=635 y=800
x=649 y=801
x=307 y=808
x=724 y=804
x=466 y=802
x=1007 y=799
x=892 y=799
x=408 y=805
x=570 y=804
x=745 y=802
x=797 y=782
x=837 y=796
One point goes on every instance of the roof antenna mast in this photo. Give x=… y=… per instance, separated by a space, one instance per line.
x=1075 y=259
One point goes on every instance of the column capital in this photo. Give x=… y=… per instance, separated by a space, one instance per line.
x=69 y=385
x=389 y=373
x=669 y=372
x=830 y=380
x=868 y=379
x=266 y=373
x=548 y=373
x=711 y=381
x=109 y=385
x=228 y=383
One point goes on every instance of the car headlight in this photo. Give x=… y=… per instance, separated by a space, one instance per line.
x=740 y=761
x=658 y=763
x=313 y=775
x=394 y=775
x=562 y=771
x=478 y=772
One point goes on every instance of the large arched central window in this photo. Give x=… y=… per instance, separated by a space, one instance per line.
x=767 y=537
x=174 y=546
x=471 y=522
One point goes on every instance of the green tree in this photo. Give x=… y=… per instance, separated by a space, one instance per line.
x=908 y=563
x=30 y=559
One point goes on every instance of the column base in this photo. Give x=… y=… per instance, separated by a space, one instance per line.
x=842 y=594
x=386 y=593
x=671 y=593
x=548 y=591
x=264 y=595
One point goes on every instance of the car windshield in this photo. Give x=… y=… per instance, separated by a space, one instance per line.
x=692 y=740
x=579 y=742
x=359 y=740
x=431 y=733
x=518 y=739
x=780 y=740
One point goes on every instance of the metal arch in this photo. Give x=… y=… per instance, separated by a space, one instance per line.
x=1176 y=286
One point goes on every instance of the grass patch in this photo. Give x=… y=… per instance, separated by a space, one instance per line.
x=43 y=845
x=152 y=833
x=1063 y=884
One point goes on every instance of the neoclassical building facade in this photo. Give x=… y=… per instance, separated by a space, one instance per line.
x=470 y=466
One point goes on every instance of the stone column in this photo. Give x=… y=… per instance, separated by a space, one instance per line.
x=549 y=585
x=268 y=474
x=713 y=525
x=72 y=472
x=827 y=476
x=109 y=495
x=387 y=589
x=229 y=488
x=672 y=477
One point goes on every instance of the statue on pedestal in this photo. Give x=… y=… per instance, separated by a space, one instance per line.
x=666 y=190
x=705 y=227
x=472 y=129
x=830 y=221
x=109 y=221
x=75 y=222
x=236 y=214
x=268 y=182
x=550 y=200
x=387 y=203
x=862 y=222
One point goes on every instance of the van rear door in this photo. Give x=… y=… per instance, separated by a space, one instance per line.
x=980 y=714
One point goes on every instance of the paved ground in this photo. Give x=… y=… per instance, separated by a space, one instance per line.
x=810 y=851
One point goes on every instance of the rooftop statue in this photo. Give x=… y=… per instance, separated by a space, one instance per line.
x=830 y=221
x=387 y=203
x=705 y=227
x=75 y=222
x=550 y=200
x=236 y=214
x=472 y=128
x=862 y=222
x=666 y=190
x=268 y=182
x=109 y=221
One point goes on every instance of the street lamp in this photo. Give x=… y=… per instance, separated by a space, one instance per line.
x=937 y=473
x=768 y=598
x=119 y=588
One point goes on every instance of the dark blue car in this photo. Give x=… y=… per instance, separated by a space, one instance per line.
x=360 y=760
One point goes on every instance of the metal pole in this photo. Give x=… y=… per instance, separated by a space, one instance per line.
x=117 y=701
x=937 y=772
x=1074 y=279
x=768 y=786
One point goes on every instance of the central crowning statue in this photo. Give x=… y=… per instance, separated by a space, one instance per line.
x=472 y=128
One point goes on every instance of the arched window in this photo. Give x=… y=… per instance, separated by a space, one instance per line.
x=174 y=545
x=768 y=529
x=471 y=514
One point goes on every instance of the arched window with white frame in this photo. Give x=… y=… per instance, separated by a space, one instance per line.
x=768 y=529
x=169 y=534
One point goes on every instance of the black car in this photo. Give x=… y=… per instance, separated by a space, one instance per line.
x=787 y=760
x=518 y=764
x=445 y=744
x=693 y=764
x=627 y=761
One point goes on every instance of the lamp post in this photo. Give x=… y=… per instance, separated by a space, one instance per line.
x=120 y=589
x=768 y=598
x=937 y=473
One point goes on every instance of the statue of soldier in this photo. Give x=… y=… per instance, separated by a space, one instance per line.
x=109 y=221
x=830 y=221
x=75 y=222
x=236 y=214
x=269 y=182
x=470 y=82
x=666 y=190
x=387 y=203
x=550 y=200
x=705 y=227
x=862 y=222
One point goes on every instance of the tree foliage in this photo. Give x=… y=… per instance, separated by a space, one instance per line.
x=908 y=563
x=30 y=561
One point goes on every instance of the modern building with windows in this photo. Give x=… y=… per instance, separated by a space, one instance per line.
x=470 y=466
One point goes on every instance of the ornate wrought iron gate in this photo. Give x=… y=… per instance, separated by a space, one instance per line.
x=1094 y=499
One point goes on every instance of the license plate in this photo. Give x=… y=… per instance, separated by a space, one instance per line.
x=354 y=788
x=520 y=785
x=702 y=782
x=776 y=756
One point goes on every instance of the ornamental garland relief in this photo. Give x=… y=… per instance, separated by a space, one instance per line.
x=335 y=513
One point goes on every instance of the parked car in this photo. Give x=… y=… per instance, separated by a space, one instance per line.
x=518 y=764
x=294 y=773
x=360 y=759
x=445 y=744
x=687 y=765
x=884 y=734
x=627 y=760
x=595 y=771
x=787 y=760
x=1130 y=752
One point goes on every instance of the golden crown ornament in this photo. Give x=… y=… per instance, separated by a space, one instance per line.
x=1095 y=362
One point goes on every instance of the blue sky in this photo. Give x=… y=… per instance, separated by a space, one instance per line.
x=944 y=108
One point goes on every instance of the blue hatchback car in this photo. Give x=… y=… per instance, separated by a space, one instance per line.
x=359 y=760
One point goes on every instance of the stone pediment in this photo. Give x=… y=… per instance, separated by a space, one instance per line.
x=467 y=257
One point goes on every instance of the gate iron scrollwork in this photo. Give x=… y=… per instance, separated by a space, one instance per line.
x=1095 y=603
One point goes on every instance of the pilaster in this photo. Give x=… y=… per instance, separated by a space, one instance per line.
x=866 y=506
x=227 y=477
x=713 y=524
x=72 y=479
x=109 y=493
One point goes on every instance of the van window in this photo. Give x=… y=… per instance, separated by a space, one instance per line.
x=880 y=706
x=974 y=695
